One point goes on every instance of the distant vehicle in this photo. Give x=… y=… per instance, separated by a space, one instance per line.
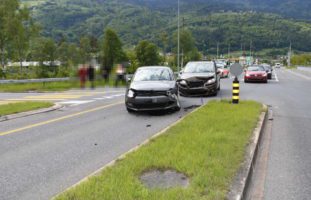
x=199 y=78
x=255 y=74
x=224 y=72
x=152 y=88
x=278 y=65
x=268 y=69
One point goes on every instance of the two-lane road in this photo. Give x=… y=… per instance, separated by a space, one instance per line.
x=42 y=155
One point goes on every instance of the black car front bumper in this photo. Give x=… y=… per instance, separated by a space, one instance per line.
x=152 y=103
x=198 y=91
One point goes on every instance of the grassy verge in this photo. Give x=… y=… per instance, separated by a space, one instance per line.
x=24 y=87
x=50 y=86
x=14 y=108
x=208 y=146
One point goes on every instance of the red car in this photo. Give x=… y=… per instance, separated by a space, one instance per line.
x=224 y=73
x=255 y=74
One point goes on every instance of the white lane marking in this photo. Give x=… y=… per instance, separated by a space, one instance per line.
x=300 y=75
x=276 y=77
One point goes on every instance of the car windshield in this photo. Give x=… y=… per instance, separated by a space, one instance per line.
x=255 y=68
x=153 y=74
x=199 y=67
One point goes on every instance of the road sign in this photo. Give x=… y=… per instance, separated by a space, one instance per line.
x=236 y=69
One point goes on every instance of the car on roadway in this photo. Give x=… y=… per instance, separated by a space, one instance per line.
x=268 y=69
x=278 y=65
x=255 y=73
x=199 y=79
x=152 y=88
x=222 y=67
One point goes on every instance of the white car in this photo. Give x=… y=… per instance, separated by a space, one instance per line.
x=278 y=65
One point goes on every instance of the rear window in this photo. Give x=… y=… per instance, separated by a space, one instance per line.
x=255 y=68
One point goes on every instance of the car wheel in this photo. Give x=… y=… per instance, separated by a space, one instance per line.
x=215 y=93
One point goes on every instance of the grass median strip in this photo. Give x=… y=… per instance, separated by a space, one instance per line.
x=13 y=108
x=207 y=146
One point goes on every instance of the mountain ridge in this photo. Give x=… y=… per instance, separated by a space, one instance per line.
x=211 y=22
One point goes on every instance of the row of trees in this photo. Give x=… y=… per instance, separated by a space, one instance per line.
x=20 y=40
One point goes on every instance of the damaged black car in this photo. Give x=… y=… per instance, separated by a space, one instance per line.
x=152 y=88
x=199 y=79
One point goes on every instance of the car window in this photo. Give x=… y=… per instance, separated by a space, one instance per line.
x=255 y=68
x=199 y=67
x=153 y=74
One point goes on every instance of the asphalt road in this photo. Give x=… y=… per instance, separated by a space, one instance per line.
x=44 y=154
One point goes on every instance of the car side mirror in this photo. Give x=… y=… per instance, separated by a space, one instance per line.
x=129 y=79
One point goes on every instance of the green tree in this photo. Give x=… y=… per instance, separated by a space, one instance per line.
x=85 y=49
x=112 y=51
x=188 y=48
x=147 y=53
x=8 y=10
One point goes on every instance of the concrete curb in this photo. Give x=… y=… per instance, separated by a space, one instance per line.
x=121 y=157
x=242 y=181
x=29 y=113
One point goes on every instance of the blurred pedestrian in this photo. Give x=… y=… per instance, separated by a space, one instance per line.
x=105 y=75
x=82 y=75
x=91 y=75
x=120 y=75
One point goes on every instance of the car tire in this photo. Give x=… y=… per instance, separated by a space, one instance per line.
x=215 y=93
x=129 y=110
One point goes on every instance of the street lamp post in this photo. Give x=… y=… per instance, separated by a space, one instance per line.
x=178 y=42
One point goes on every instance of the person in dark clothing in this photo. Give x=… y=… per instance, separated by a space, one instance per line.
x=91 y=74
x=105 y=75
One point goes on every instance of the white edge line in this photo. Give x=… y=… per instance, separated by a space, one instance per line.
x=276 y=76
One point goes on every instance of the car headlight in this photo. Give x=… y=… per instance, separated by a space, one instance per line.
x=183 y=82
x=265 y=74
x=171 y=93
x=247 y=74
x=211 y=81
x=130 y=94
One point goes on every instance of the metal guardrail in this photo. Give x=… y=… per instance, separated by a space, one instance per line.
x=43 y=80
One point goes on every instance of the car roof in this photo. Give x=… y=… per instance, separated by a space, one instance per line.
x=151 y=67
x=201 y=62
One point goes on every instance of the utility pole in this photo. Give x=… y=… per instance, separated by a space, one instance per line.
x=229 y=46
x=178 y=42
x=250 y=48
x=217 y=50
x=289 y=54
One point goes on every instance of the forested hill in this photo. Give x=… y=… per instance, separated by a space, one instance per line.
x=229 y=22
x=298 y=9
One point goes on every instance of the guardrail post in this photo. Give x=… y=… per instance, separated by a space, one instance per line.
x=236 y=91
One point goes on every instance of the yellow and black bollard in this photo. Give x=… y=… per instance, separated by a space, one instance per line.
x=236 y=91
